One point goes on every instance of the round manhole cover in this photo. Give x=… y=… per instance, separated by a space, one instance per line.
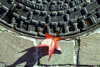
x=56 y=17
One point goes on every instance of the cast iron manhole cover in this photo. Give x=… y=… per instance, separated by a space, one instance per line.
x=56 y=17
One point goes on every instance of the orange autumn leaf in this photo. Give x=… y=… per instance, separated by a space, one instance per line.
x=51 y=43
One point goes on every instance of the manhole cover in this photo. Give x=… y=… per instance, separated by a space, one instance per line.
x=56 y=17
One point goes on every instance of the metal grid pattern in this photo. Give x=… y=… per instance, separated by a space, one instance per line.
x=56 y=17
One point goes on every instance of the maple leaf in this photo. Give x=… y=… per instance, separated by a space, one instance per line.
x=51 y=43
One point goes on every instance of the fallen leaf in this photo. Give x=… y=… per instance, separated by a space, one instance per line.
x=51 y=43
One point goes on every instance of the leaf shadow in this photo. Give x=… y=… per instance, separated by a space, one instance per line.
x=30 y=57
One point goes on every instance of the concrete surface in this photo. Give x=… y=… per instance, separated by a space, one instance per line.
x=64 y=57
x=89 y=53
x=17 y=50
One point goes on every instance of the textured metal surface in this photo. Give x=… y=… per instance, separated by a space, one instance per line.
x=56 y=17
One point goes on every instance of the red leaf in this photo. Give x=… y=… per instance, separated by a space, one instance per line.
x=51 y=43
x=48 y=36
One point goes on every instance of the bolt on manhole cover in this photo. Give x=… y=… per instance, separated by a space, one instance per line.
x=56 y=17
